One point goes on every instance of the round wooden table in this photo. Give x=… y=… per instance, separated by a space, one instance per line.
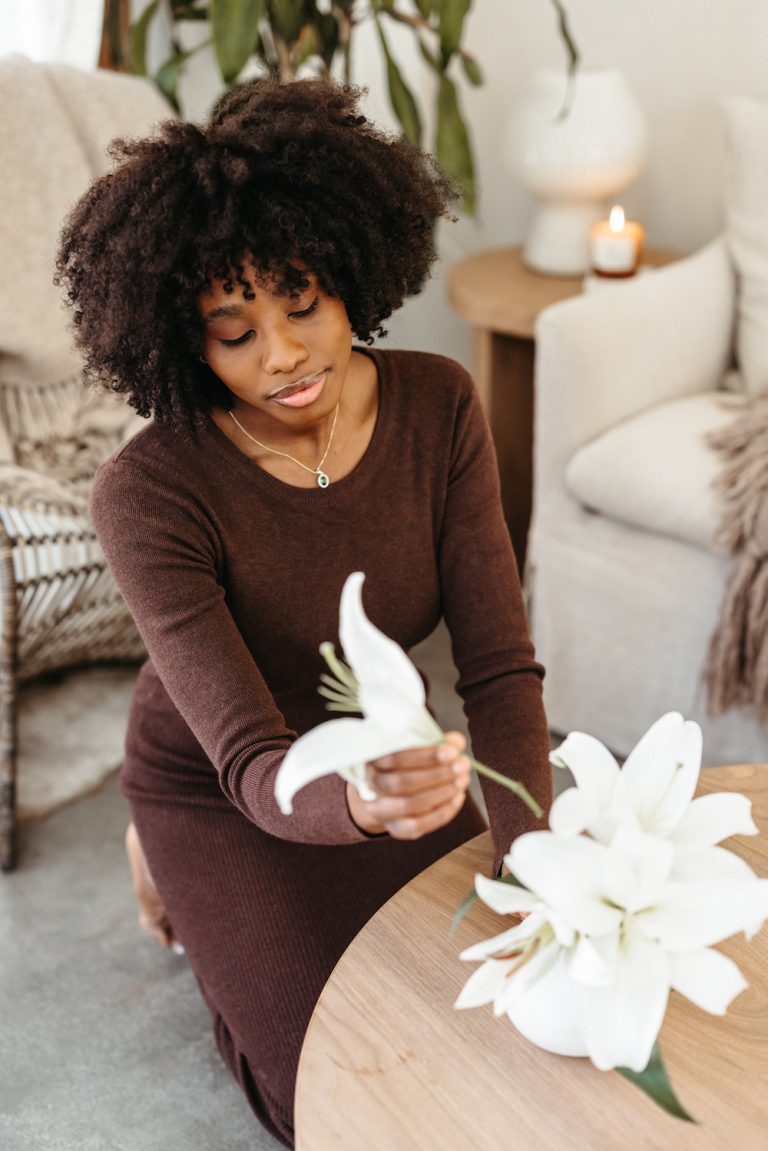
x=501 y=298
x=389 y=1065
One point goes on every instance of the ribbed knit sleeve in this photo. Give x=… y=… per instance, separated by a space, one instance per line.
x=499 y=680
x=166 y=556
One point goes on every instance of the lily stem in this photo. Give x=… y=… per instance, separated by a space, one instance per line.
x=512 y=784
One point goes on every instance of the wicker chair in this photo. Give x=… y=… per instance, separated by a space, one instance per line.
x=59 y=606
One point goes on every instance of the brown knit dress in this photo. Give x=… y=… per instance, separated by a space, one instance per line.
x=234 y=579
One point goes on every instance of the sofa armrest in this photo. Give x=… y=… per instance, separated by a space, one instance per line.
x=605 y=356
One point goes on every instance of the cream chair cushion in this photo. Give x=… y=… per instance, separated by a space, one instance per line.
x=656 y=471
x=746 y=212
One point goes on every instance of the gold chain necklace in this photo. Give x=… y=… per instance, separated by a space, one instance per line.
x=322 y=479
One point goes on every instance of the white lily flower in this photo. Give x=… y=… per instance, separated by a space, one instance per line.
x=381 y=682
x=613 y=927
x=653 y=791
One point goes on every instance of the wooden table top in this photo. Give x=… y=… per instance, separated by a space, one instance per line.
x=495 y=290
x=389 y=1065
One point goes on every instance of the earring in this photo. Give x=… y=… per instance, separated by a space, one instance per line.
x=203 y=360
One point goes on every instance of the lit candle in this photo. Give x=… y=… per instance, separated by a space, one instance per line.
x=616 y=245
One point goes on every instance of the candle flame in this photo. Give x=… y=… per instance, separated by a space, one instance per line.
x=617 y=218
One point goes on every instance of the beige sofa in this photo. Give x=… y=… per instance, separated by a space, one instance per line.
x=625 y=581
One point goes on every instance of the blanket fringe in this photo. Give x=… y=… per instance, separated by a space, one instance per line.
x=736 y=669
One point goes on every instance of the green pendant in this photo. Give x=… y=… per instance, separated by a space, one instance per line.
x=322 y=480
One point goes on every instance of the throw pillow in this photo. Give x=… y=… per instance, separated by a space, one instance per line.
x=746 y=213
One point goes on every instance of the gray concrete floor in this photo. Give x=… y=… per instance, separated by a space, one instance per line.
x=105 y=1044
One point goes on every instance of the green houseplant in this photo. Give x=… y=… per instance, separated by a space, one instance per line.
x=287 y=38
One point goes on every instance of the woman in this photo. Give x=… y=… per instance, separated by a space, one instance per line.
x=217 y=276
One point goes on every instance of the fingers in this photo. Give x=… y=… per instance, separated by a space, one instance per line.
x=420 y=789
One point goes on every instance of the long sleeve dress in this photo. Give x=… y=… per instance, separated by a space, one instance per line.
x=234 y=579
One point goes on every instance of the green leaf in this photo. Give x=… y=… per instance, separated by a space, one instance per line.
x=452 y=13
x=139 y=32
x=400 y=95
x=654 y=1081
x=425 y=8
x=286 y=18
x=472 y=70
x=565 y=32
x=452 y=147
x=235 y=28
x=167 y=77
x=429 y=57
x=469 y=899
x=307 y=44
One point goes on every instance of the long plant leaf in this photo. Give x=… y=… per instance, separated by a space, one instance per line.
x=400 y=96
x=472 y=70
x=235 y=28
x=565 y=31
x=452 y=146
x=139 y=32
x=308 y=43
x=654 y=1081
x=286 y=18
x=452 y=14
x=167 y=77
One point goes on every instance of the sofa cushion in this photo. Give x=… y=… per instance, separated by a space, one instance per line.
x=746 y=197
x=656 y=470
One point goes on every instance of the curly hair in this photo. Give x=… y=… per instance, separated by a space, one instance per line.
x=281 y=175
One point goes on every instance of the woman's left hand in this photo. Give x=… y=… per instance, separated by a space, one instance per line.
x=417 y=790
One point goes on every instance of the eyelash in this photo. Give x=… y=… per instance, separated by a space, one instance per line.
x=296 y=315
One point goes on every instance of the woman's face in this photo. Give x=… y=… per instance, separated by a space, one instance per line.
x=284 y=358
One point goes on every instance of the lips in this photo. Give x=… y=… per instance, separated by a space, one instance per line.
x=303 y=392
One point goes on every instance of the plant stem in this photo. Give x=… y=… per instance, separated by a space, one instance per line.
x=512 y=785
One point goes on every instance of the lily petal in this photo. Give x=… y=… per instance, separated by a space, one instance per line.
x=332 y=746
x=711 y=818
x=513 y=939
x=693 y=915
x=660 y=774
x=590 y=762
x=377 y=661
x=586 y=965
x=570 y=813
x=707 y=978
x=504 y=898
x=546 y=1014
x=694 y=864
x=483 y=984
x=651 y=859
x=571 y=876
x=620 y=1022
x=520 y=980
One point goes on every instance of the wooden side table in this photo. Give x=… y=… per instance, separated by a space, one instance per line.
x=501 y=298
x=387 y=1064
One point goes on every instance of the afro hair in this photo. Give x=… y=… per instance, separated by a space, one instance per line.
x=282 y=176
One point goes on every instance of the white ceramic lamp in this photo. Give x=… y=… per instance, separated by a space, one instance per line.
x=574 y=163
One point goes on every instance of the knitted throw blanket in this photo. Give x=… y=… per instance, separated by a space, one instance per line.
x=736 y=671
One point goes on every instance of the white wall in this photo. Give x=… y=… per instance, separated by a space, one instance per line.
x=680 y=57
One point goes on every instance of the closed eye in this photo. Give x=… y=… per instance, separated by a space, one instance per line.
x=306 y=311
x=300 y=315
x=240 y=340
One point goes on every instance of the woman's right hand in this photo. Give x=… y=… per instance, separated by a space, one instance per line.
x=417 y=791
